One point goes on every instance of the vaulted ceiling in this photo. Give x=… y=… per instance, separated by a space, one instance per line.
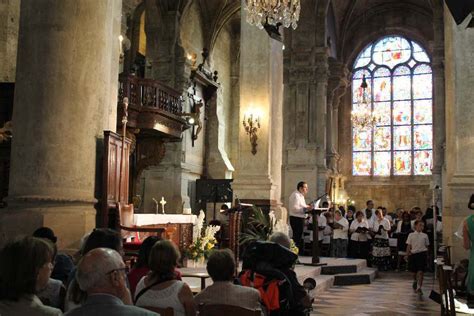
x=357 y=20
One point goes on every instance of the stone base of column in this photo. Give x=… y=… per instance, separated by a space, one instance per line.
x=455 y=211
x=253 y=188
x=69 y=221
x=259 y=192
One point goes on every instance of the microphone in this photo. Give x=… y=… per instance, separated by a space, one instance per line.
x=237 y=199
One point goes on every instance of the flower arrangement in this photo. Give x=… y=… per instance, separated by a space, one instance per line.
x=293 y=247
x=203 y=245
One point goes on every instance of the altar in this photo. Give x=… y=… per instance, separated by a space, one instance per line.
x=178 y=227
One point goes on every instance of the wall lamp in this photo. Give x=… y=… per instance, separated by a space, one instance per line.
x=251 y=125
x=193 y=118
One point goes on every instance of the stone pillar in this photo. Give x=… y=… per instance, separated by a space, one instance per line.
x=261 y=60
x=439 y=126
x=321 y=113
x=305 y=102
x=337 y=85
x=218 y=165
x=458 y=184
x=9 y=23
x=66 y=96
x=165 y=58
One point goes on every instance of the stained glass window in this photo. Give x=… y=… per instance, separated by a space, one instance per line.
x=399 y=77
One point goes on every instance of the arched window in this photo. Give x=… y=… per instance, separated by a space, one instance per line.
x=399 y=78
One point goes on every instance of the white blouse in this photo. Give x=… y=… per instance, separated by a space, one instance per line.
x=359 y=236
x=167 y=297
x=341 y=233
x=386 y=227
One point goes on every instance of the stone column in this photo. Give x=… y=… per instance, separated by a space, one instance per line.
x=9 y=22
x=66 y=96
x=321 y=113
x=439 y=126
x=305 y=102
x=218 y=165
x=261 y=60
x=337 y=85
x=458 y=184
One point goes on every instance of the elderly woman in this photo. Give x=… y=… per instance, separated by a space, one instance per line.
x=25 y=268
x=160 y=288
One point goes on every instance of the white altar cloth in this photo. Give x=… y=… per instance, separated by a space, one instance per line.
x=151 y=219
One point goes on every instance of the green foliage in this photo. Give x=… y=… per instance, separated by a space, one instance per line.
x=259 y=227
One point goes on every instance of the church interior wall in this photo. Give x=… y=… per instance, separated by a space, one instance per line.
x=220 y=118
x=191 y=30
x=183 y=161
x=300 y=136
x=221 y=62
x=395 y=191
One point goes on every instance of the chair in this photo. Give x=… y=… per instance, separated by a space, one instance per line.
x=227 y=310
x=168 y=311
x=446 y=289
x=127 y=228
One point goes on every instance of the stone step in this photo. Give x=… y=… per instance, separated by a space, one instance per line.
x=365 y=276
x=323 y=283
x=338 y=269
x=335 y=265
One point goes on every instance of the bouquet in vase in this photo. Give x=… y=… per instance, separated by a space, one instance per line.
x=203 y=245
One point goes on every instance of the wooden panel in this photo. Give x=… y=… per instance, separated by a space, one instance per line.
x=111 y=175
x=180 y=234
x=153 y=107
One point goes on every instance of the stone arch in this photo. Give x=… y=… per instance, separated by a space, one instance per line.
x=382 y=20
x=191 y=32
x=225 y=15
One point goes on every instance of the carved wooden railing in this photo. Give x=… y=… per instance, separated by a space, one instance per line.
x=149 y=93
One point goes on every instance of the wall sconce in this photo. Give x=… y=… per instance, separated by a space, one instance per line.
x=194 y=117
x=192 y=58
x=251 y=124
x=124 y=45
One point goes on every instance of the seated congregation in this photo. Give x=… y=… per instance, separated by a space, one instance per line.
x=36 y=280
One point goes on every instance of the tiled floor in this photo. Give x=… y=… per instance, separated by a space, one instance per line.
x=390 y=294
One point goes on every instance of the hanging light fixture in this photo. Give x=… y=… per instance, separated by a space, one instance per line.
x=363 y=117
x=273 y=12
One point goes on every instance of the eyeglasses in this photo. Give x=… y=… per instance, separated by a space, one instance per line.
x=124 y=269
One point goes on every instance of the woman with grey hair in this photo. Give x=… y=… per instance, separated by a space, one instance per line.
x=281 y=238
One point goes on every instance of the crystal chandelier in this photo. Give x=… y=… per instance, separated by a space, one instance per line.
x=363 y=117
x=273 y=12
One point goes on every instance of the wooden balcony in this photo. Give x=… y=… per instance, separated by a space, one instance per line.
x=153 y=107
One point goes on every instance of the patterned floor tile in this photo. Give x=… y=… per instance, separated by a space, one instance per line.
x=391 y=294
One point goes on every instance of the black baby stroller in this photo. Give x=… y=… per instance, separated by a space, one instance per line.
x=264 y=265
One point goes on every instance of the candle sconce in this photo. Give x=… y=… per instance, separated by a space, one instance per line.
x=251 y=124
